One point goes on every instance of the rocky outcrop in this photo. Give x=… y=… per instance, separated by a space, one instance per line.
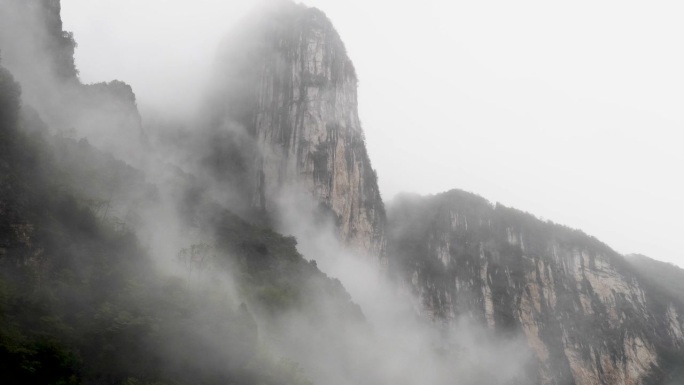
x=34 y=43
x=287 y=82
x=586 y=314
x=40 y=54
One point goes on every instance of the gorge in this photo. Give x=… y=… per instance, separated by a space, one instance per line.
x=253 y=246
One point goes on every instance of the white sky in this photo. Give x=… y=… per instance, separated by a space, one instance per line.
x=573 y=111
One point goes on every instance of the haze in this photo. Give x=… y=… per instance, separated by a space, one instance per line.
x=572 y=111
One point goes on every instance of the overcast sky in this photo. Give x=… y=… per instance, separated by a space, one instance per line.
x=573 y=111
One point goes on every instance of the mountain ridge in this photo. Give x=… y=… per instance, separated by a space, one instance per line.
x=464 y=256
x=282 y=131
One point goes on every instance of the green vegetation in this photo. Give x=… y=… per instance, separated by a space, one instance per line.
x=275 y=276
x=80 y=300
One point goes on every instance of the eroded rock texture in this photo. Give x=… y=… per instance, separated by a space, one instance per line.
x=585 y=313
x=290 y=86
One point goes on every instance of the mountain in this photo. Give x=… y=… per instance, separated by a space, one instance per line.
x=287 y=82
x=588 y=315
x=133 y=253
x=664 y=277
x=40 y=55
x=87 y=295
x=82 y=301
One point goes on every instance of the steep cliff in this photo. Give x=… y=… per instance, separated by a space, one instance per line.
x=586 y=314
x=83 y=301
x=284 y=124
x=287 y=82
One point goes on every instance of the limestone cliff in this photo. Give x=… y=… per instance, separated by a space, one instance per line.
x=587 y=315
x=288 y=83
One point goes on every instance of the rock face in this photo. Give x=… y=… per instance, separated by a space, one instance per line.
x=586 y=313
x=286 y=123
x=289 y=84
x=286 y=103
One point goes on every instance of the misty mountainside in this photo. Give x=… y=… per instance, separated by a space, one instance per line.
x=285 y=81
x=662 y=276
x=589 y=315
x=250 y=245
x=81 y=300
x=40 y=55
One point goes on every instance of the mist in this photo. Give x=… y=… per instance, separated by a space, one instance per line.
x=172 y=193
x=150 y=131
x=578 y=120
x=400 y=341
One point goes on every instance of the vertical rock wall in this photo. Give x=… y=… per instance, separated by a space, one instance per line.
x=585 y=314
x=295 y=92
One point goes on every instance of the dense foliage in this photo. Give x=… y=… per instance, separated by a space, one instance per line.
x=80 y=300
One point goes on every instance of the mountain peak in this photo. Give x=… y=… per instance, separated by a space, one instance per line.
x=286 y=81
